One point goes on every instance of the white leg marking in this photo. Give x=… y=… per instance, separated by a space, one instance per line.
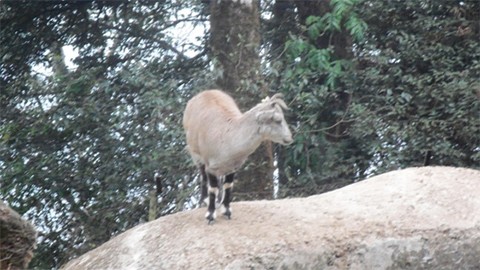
x=224 y=209
x=213 y=190
x=228 y=185
x=214 y=214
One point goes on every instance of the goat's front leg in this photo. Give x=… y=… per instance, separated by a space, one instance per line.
x=212 y=193
x=228 y=187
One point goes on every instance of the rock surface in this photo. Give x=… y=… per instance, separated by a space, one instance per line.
x=417 y=218
x=17 y=239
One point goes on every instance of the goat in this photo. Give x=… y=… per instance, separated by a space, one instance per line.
x=220 y=138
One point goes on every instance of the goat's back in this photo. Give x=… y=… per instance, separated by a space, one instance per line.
x=206 y=117
x=208 y=107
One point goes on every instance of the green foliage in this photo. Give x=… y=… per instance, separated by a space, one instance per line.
x=421 y=83
x=318 y=78
x=405 y=89
x=79 y=146
x=342 y=16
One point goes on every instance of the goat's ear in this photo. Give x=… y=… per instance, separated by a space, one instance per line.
x=261 y=116
x=264 y=116
x=276 y=117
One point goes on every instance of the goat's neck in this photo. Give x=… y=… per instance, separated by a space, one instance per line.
x=246 y=136
x=240 y=138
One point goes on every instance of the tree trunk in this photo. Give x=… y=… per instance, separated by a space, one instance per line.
x=235 y=43
x=282 y=24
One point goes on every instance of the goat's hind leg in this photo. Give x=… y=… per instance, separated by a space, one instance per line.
x=228 y=187
x=203 y=186
x=212 y=193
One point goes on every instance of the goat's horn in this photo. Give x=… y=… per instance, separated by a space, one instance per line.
x=277 y=96
x=281 y=103
x=278 y=99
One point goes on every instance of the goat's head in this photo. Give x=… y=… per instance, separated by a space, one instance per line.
x=271 y=121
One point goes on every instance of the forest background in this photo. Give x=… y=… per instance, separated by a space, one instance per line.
x=92 y=94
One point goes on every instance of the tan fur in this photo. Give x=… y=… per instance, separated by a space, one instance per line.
x=221 y=137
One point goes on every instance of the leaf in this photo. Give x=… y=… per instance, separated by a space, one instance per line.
x=313 y=31
x=333 y=22
x=356 y=27
x=406 y=96
x=312 y=20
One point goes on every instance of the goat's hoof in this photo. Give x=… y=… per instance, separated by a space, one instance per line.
x=210 y=216
x=228 y=213
x=210 y=221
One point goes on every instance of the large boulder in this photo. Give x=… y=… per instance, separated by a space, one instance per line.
x=17 y=239
x=417 y=218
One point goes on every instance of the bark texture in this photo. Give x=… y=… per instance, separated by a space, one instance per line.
x=235 y=44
